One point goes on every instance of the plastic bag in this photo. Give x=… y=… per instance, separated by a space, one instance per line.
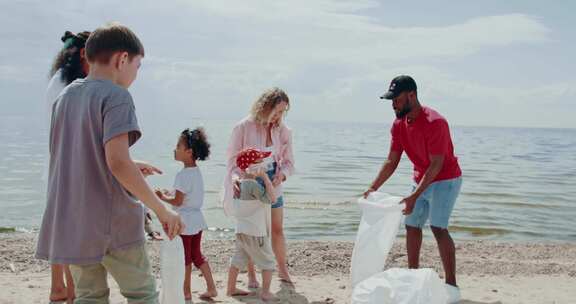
x=172 y=271
x=381 y=216
x=401 y=286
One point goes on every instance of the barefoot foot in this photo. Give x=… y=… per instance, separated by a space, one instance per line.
x=58 y=295
x=266 y=296
x=238 y=292
x=253 y=284
x=285 y=278
x=209 y=294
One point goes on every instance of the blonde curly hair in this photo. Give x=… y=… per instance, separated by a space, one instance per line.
x=267 y=102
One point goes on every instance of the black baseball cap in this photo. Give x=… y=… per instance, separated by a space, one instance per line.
x=399 y=84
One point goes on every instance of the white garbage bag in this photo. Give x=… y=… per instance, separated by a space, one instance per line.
x=172 y=271
x=381 y=216
x=401 y=286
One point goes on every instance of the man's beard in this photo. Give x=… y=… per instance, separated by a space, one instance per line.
x=405 y=110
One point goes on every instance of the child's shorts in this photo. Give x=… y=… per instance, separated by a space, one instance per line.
x=193 y=249
x=259 y=249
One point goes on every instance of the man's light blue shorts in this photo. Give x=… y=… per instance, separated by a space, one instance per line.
x=436 y=203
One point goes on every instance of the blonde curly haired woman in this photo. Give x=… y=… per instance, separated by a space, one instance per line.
x=264 y=129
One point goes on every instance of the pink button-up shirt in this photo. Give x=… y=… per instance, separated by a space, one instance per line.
x=250 y=134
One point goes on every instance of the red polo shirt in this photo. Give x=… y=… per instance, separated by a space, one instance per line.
x=427 y=135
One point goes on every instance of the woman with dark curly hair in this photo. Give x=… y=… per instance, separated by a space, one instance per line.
x=264 y=130
x=69 y=65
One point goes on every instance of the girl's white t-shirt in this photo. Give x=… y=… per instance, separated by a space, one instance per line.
x=55 y=87
x=189 y=181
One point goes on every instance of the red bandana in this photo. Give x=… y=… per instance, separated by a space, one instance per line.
x=248 y=157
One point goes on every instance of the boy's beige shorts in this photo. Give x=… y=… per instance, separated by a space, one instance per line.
x=129 y=267
x=259 y=249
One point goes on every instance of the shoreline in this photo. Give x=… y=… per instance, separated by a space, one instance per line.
x=321 y=270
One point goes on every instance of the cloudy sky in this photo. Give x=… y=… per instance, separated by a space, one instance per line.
x=480 y=63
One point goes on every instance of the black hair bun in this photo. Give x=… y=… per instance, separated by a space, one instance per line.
x=83 y=35
x=197 y=141
x=67 y=35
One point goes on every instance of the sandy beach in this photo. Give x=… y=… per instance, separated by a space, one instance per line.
x=489 y=272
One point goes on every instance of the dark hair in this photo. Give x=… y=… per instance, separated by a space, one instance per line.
x=68 y=59
x=196 y=140
x=110 y=39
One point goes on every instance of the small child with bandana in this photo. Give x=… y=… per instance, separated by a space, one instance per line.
x=253 y=215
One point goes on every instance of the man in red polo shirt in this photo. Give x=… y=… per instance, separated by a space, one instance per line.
x=424 y=135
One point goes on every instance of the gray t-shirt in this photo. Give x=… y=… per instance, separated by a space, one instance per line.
x=88 y=212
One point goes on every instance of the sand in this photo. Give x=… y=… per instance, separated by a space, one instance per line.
x=488 y=272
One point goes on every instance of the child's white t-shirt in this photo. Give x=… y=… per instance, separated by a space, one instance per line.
x=55 y=86
x=189 y=181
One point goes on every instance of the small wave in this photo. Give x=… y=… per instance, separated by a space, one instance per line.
x=480 y=231
x=320 y=205
x=490 y=194
x=529 y=205
x=7 y=229
x=220 y=229
x=17 y=229
x=310 y=204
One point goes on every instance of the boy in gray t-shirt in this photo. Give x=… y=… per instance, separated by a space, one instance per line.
x=91 y=221
x=253 y=214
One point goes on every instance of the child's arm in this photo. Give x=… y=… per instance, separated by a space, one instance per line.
x=176 y=200
x=128 y=174
x=268 y=185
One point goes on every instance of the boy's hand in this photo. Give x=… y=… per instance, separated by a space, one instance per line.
x=171 y=222
x=146 y=168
